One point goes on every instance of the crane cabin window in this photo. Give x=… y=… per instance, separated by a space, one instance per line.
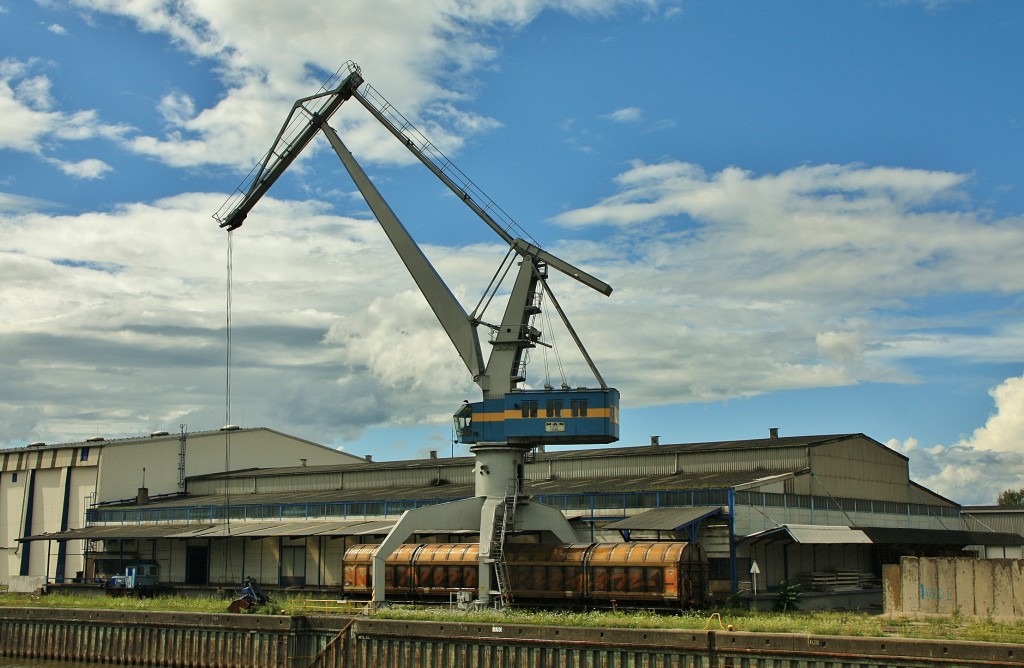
x=554 y=408
x=579 y=408
x=529 y=409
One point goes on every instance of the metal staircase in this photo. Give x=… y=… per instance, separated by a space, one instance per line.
x=507 y=524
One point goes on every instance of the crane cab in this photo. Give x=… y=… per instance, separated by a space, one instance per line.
x=542 y=417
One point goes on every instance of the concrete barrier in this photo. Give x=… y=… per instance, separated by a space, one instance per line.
x=26 y=584
x=991 y=588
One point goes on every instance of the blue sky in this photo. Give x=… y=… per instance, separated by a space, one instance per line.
x=811 y=214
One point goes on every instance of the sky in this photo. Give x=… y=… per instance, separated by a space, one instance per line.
x=812 y=216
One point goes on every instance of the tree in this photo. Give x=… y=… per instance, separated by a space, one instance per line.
x=1011 y=497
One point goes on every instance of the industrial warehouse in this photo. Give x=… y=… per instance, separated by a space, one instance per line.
x=825 y=511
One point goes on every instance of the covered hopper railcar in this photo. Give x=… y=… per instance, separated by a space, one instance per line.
x=648 y=574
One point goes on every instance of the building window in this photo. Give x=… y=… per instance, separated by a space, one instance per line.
x=579 y=408
x=84 y=455
x=554 y=408
x=14 y=477
x=529 y=409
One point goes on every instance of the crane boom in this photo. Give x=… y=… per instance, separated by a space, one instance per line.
x=301 y=125
x=446 y=307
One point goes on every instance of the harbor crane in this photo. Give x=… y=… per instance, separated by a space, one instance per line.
x=511 y=419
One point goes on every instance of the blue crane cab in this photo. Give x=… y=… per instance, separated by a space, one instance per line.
x=542 y=417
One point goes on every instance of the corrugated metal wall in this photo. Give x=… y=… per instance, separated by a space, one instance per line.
x=315 y=481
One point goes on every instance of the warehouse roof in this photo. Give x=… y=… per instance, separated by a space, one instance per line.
x=226 y=530
x=664 y=519
x=445 y=491
x=557 y=455
x=809 y=534
x=844 y=535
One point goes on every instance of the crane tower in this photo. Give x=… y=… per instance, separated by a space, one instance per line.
x=510 y=419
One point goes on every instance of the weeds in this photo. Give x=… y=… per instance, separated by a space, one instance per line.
x=834 y=623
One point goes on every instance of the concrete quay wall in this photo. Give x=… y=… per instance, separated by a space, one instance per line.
x=227 y=641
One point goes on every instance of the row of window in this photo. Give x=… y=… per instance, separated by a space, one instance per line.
x=766 y=499
x=554 y=408
x=629 y=500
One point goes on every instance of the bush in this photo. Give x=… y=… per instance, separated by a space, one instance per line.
x=789 y=596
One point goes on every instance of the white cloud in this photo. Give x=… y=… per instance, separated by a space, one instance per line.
x=10 y=203
x=626 y=115
x=728 y=284
x=57 y=29
x=424 y=54
x=28 y=122
x=976 y=469
x=177 y=107
x=804 y=278
x=90 y=168
x=1004 y=430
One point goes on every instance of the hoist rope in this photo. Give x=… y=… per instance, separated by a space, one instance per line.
x=549 y=328
x=492 y=288
x=227 y=383
x=227 y=329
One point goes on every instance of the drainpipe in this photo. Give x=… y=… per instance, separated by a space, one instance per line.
x=734 y=579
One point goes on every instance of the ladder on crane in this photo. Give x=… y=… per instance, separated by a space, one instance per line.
x=502 y=529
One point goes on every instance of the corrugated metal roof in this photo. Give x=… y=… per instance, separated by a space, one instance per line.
x=996 y=538
x=557 y=455
x=604 y=485
x=121 y=531
x=842 y=535
x=939 y=537
x=232 y=530
x=663 y=519
x=809 y=534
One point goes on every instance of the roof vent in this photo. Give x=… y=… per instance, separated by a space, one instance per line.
x=36 y=444
x=95 y=439
x=159 y=433
x=655 y=440
x=773 y=432
x=230 y=427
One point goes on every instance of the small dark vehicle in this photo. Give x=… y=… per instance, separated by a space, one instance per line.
x=252 y=596
x=140 y=580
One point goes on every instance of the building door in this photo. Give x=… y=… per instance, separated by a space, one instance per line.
x=197 y=564
x=293 y=566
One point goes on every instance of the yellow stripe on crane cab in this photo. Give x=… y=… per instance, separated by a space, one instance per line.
x=517 y=414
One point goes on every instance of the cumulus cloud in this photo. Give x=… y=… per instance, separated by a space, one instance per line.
x=28 y=122
x=90 y=168
x=1004 y=429
x=802 y=278
x=727 y=284
x=976 y=469
x=423 y=53
x=10 y=203
x=626 y=115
